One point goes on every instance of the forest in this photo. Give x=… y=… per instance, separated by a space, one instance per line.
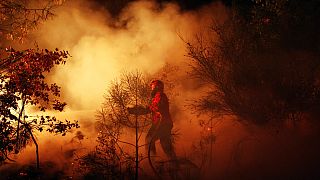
x=159 y=89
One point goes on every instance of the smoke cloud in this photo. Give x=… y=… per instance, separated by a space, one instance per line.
x=145 y=37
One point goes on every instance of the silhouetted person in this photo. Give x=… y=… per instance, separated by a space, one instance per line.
x=161 y=120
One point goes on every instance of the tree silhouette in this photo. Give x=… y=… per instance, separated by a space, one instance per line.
x=24 y=84
x=18 y=17
x=117 y=152
x=262 y=62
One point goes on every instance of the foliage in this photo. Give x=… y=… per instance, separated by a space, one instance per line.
x=261 y=67
x=132 y=89
x=108 y=160
x=115 y=154
x=17 y=17
x=24 y=84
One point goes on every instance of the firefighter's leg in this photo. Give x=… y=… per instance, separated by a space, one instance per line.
x=167 y=146
x=150 y=140
x=166 y=142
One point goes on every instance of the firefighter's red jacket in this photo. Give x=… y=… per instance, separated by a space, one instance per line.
x=159 y=108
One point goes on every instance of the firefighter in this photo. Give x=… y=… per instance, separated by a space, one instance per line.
x=161 y=120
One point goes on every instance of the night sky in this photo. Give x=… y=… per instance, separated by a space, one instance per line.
x=115 y=7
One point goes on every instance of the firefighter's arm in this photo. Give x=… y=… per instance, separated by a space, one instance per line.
x=155 y=106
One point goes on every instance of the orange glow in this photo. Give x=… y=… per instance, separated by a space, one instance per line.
x=143 y=38
x=146 y=37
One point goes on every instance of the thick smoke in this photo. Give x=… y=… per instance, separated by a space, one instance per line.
x=145 y=36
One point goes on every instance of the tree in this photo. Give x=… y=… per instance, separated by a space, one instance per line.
x=23 y=81
x=117 y=154
x=113 y=157
x=264 y=63
x=24 y=84
x=18 y=17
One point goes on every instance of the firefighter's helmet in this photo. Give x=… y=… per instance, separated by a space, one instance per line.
x=159 y=86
